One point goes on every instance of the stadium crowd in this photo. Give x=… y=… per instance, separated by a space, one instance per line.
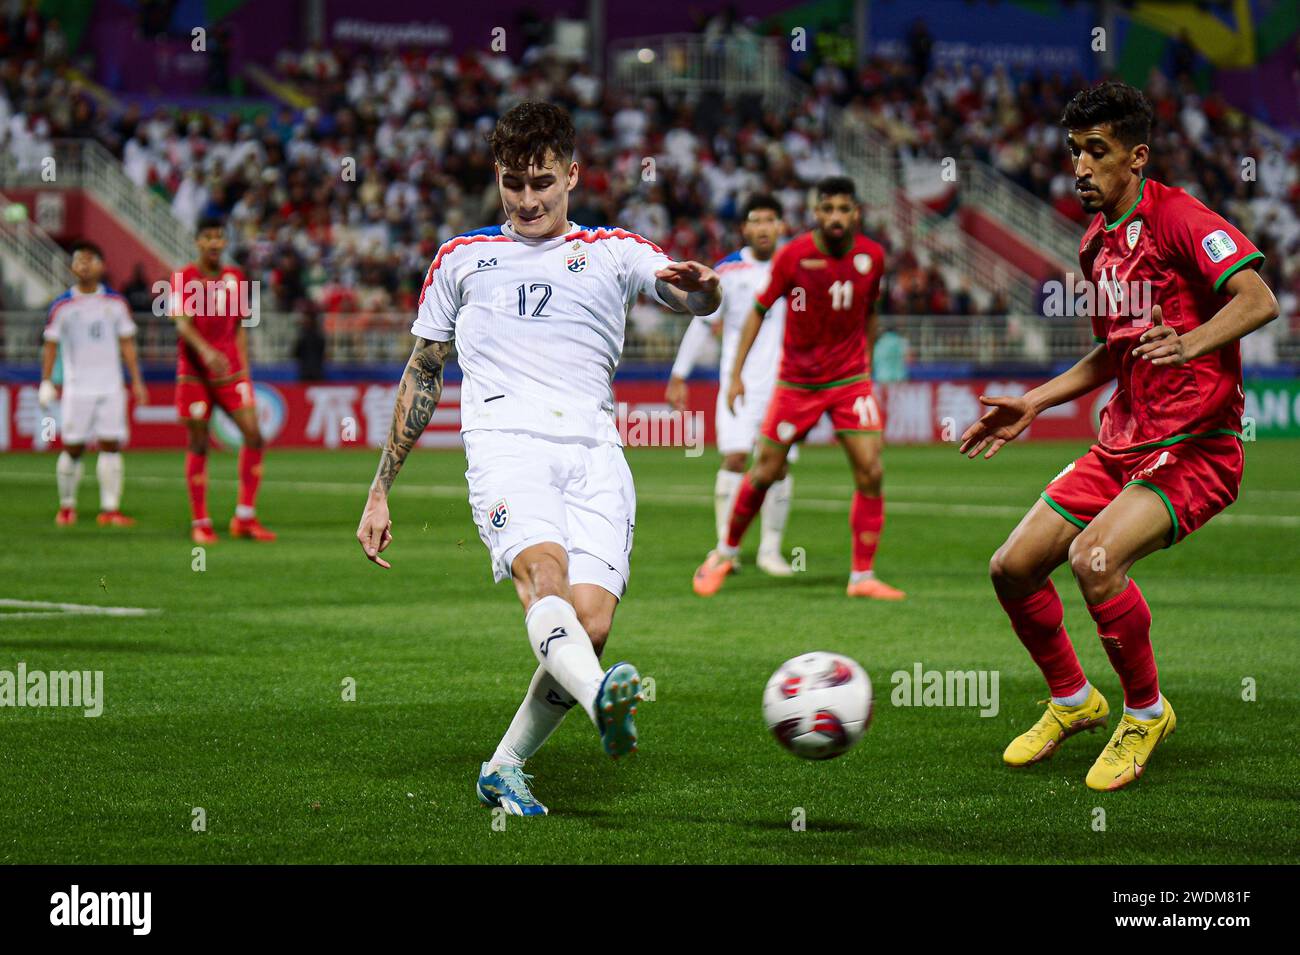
x=338 y=209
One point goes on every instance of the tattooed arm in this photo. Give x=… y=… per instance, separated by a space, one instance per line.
x=689 y=287
x=417 y=396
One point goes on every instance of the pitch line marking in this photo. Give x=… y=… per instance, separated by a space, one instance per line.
x=686 y=498
x=49 y=610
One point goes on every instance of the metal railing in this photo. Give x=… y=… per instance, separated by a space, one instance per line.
x=370 y=340
x=85 y=164
x=36 y=252
x=1042 y=226
x=688 y=62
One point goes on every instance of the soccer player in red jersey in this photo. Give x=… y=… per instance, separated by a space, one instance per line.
x=1169 y=454
x=830 y=278
x=208 y=302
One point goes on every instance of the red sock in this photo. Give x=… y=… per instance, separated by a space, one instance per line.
x=866 y=518
x=748 y=500
x=1124 y=625
x=1037 y=621
x=250 y=475
x=196 y=479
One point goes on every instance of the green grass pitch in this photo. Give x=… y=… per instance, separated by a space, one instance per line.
x=230 y=698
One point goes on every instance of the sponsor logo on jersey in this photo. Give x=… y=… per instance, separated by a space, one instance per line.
x=812 y=263
x=862 y=262
x=1132 y=232
x=575 y=262
x=499 y=515
x=1218 y=245
x=485 y=264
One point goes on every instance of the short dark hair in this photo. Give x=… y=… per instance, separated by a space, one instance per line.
x=837 y=186
x=85 y=245
x=1123 y=107
x=528 y=132
x=762 y=200
x=210 y=222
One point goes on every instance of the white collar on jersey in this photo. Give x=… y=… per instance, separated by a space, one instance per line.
x=74 y=291
x=508 y=230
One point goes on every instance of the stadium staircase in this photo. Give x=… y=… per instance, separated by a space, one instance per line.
x=134 y=215
x=33 y=268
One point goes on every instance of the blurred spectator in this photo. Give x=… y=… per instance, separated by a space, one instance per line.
x=309 y=349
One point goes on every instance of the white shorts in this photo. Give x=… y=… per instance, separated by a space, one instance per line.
x=739 y=432
x=93 y=416
x=527 y=488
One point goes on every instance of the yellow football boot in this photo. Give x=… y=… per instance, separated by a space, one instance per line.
x=1056 y=723
x=1126 y=755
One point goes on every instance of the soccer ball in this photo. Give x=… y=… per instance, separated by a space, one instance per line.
x=818 y=705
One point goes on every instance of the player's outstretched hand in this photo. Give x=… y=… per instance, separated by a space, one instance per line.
x=678 y=394
x=140 y=392
x=375 y=532
x=735 y=391
x=1003 y=422
x=1160 y=344
x=689 y=276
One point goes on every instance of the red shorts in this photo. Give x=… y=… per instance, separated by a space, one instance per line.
x=1196 y=478
x=195 y=397
x=794 y=411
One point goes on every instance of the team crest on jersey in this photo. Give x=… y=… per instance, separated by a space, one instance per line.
x=499 y=516
x=862 y=262
x=1132 y=232
x=575 y=262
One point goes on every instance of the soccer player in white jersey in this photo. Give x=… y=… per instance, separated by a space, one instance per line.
x=744 y=274
x=537 y=308
x=92 y=326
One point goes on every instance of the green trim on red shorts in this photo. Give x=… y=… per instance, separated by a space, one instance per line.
x=775 y=443
x=859 y=430
x=1076 y=521
x=1216 y=433
x=1173 y=538
x=821 y=386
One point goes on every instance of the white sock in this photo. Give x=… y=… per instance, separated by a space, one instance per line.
x=108 y=468
x=1152 y=712
x=244 y=512
x=563 y=648
x=776 y=508
x=1074 y=699
x=539 y=715
x=67 y=473
x=724 y=496
x=857 y=575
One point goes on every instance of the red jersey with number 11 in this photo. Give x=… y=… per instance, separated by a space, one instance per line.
x=828 y=299
x=216 y=305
